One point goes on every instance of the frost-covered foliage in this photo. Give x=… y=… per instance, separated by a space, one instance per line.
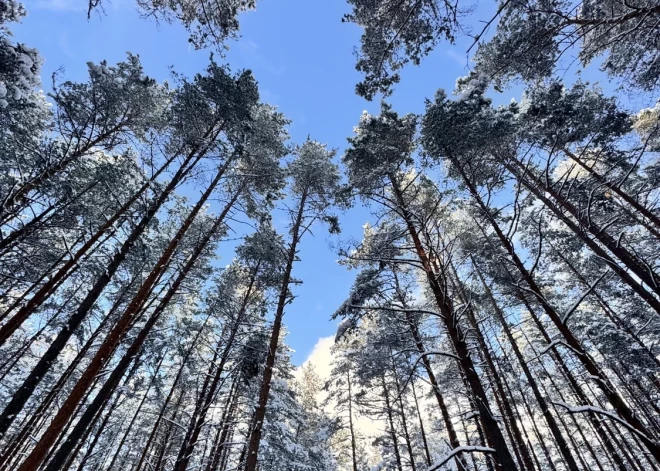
x=395 y=33
x=532 y=36
x=19 y=72
x=216 y=96
x=504 y=315
x=381 y=147
x=209 y=23
x=525 y=39
x=366 y=285
x=313 y=172
x=117 y=102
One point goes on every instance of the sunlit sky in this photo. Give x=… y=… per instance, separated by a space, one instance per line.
x=302 y=56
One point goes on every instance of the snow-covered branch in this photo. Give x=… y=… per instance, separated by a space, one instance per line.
x=598 y=410
x=457 y=451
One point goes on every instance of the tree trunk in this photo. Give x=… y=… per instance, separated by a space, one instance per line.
x=137 y=412
x=494 y=437
x=206 y=398
x=506 y=406
x=49 y=287
x=260 y=412
x=654 y=220
x=540 y=399
x=390 y=421
x=351 y=427
x=404 y=422
x=35 y=458
x=626 y=258
x=615 y=399
x=175 y=382
x=427 y=453
x=223 y=430
x=137 y=344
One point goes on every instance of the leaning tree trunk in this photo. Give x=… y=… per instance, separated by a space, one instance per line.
x=120 y=446
x=427 y=453
x=653 y=224
x=260 y=411
x=404 y=422
x=170 y=394
x=506 y=406
x=540 y=398
x=390 y=421
x=594 y=236
x=117 y=373
x=48 y=288
x=454 y=442
x=613 y=396
x=494 y=437
x=36 y=457
x=199 y=419
x=10 y=204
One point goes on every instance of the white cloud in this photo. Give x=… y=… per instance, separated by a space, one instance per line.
x=460 y=59
x=65 y=44
x=250 y=48
x=321 y=357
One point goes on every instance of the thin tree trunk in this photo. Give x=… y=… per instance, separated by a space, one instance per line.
x=251 y=459
x=609 y=313
x=540 y=399
x=573 y=383
x=7 y=240
x=8 y=208
x=137 y=412
x=640 y=208
x=223 y=430
x=170 y=394
x=404 y=422
x=427 y=454
x=35 y=458
x=494 y=437
x=351 y=426
x=390 y=421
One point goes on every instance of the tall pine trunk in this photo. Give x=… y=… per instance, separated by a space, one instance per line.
x=504 y=460
x=114 y=378
x=256 y=427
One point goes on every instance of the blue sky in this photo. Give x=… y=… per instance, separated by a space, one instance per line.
x=302 y=56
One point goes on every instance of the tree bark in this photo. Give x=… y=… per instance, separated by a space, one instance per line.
x=35 y=458
x=494 y=437
x=251 y=459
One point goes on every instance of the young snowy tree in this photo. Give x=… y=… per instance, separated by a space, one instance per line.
x=341 y=399
x=312 y=188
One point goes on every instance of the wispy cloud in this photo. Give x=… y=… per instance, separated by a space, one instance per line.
x=460 y=59
x=65 y=45
x=60 y=5
x=250 y=48
x=269 y=97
